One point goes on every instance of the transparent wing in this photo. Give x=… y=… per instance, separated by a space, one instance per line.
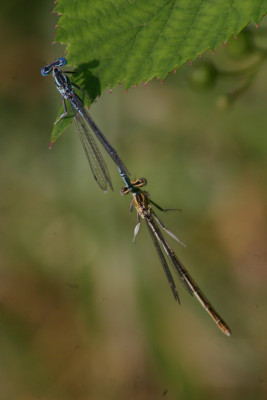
x=164 y=264
x=105 y=143
x=187 y=280
x=178 y=267
x=95 y=159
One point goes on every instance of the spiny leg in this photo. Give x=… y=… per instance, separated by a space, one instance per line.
x=163 y=209
x=167 y=230
x=64 y=114
x=136 y=229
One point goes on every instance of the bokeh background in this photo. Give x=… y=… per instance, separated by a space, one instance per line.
x=86 y=314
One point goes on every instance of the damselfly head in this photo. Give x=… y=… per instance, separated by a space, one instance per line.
x=139 y=182
x=60 y=62
x=124 y=190
x=133 y=187
x=45 y=70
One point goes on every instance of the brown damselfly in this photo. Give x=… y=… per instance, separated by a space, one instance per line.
x=142 y=203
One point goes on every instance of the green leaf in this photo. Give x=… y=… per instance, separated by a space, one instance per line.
x=135 y=40
x=62 y=124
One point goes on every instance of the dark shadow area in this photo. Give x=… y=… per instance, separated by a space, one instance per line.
x=83 y=77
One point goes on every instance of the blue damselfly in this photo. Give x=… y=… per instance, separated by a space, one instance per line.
x=83 y=119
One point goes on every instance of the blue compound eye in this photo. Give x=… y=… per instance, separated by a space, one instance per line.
x=58 y=63
x=45 y=71
x=62 y=61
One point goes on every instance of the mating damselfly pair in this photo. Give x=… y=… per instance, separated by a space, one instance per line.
x=141 y=199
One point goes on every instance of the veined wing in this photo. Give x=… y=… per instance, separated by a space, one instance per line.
x=162 y=259
x=95 y=159
x=178 y=267
x=105 y=143
x=188 y=281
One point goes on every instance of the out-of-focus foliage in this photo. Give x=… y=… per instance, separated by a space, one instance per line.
x=246 y=55
x=85 y=314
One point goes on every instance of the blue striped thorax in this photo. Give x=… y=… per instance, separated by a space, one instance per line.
x=63 y=83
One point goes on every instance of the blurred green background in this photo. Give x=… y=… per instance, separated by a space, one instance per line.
x=86 y=314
